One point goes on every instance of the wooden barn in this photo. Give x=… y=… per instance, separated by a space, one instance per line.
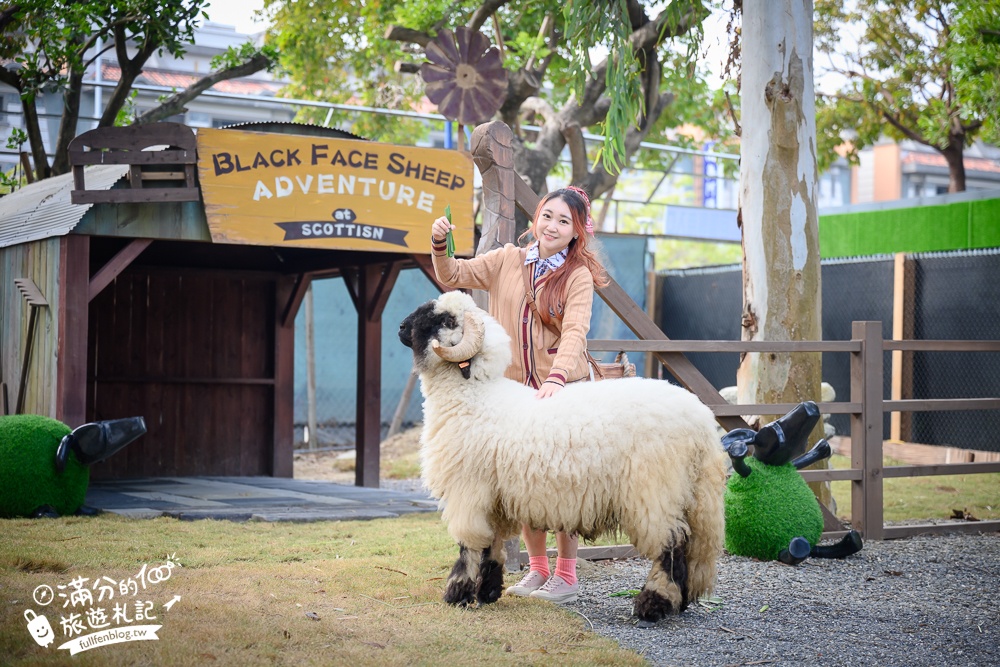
x=161 y=279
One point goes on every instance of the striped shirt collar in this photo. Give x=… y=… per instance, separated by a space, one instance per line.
x=544 y=265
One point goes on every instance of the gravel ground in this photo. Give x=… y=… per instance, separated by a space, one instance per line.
x=919 y=601
x=931 y=600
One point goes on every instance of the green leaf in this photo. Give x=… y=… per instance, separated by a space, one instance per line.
x=449 y=237
x=629 y=593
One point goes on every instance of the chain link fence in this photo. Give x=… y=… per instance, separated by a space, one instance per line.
x=941 y=296
x=334 y=355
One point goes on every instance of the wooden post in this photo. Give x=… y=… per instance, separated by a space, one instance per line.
x=71 y=342
x=310 y=370
x=284 y=379
x=369 y=401
x=866 y=430
x=903 y=291
x=491 y=150
x=371 y=291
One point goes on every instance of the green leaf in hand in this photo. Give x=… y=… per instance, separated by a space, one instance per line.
x=449 y=237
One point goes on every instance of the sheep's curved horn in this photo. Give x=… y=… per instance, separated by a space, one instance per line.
x=474 y=331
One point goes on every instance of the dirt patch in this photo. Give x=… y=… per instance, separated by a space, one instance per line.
x=338 y=466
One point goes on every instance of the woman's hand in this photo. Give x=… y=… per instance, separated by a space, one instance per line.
x=548 y=389
x=440 y=229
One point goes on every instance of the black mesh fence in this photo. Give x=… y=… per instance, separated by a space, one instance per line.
x=952 y=296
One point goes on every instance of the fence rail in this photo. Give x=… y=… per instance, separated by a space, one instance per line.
x=866 y=407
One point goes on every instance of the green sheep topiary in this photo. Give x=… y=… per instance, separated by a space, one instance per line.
x=766 y=510
x=771 y=513
x=28 y=477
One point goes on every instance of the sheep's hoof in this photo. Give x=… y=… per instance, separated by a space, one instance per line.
x=651 y=607
x=491 y=587
x=461 y=593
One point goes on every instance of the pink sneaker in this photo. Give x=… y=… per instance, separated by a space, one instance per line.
x=557 y=590
x=529 y=583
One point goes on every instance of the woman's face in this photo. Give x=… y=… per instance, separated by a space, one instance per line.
x=553 y=227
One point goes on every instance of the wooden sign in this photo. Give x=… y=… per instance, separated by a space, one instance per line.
x=314 y=192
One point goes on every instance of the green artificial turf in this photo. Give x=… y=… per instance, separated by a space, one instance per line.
x=767 y=509
x=28 y=477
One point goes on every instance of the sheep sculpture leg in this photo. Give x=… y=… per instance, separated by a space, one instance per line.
x=476 y=576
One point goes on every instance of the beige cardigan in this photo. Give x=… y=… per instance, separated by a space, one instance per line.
x=539 y=356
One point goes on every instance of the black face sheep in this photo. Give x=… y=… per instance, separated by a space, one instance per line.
x=636 y=456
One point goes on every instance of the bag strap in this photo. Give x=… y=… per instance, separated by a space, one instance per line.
x=528 y=294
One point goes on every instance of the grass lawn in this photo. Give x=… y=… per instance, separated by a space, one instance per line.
x=910 y=498
x=325 y=593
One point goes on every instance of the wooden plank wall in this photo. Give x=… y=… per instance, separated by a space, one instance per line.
x=168 y=220
x=193 y=353
x=38 y=260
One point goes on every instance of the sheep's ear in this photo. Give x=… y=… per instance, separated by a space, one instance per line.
x=466 y=368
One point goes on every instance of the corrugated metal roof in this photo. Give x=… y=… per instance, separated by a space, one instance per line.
x=43 y=209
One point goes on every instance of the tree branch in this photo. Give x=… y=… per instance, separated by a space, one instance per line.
x=7 y=15
x=600 y=180
x=397 y=33
x=175 y=103
x=484 y=12
x=130 y=69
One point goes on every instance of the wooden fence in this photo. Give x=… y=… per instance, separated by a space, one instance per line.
x=504 y=190
x=866 y=407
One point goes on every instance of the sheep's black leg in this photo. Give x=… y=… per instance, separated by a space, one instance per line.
x=491 y=577
x=797 y=551
x=665 y=591
x=848 y=544
x=463 y=582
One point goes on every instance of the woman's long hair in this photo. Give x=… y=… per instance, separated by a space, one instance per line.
x=582 y=252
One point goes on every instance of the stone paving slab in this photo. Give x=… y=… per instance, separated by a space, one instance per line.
x=251 y=499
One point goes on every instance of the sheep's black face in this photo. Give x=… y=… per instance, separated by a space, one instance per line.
x=423 y=325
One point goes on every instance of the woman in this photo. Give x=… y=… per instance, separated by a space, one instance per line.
x=548 y=335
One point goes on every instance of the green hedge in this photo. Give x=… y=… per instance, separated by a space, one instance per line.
x=958 y=226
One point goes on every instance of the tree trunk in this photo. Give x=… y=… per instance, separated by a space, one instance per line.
x=68 y=123
x=35 y=140
x=953 y=155
x=778 y=179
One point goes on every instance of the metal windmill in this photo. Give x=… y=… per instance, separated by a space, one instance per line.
x=464 y=76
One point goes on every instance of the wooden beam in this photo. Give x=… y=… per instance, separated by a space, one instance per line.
x=942 y=469
x=291 y=309
x=943 y=404
x=978 y=527
x=642 y=326
x=351 y=276
x=115 y=266
x=385 y=284
x=426 y=266
x=163 y=176
x=667 y=345
x=525 y=198
x=903 y=294
x=617 y=551
x=136 y=196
